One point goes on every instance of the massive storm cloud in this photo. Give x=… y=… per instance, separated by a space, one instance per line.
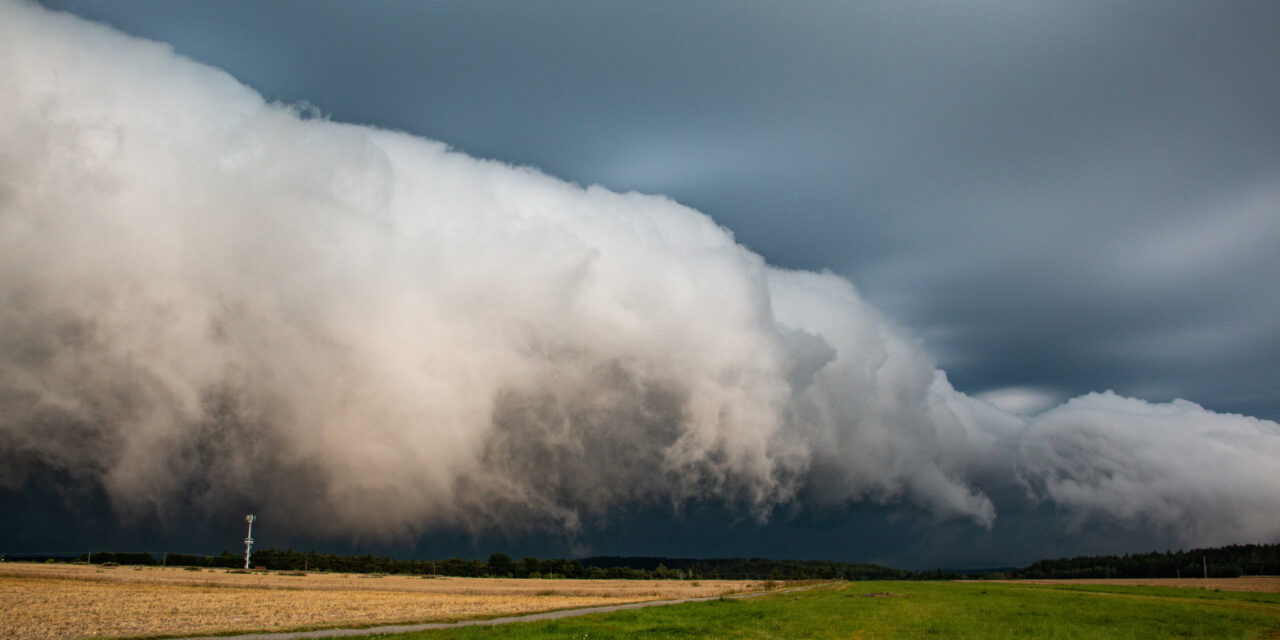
x=204 y=297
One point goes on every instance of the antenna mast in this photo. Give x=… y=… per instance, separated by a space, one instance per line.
x=248 y=541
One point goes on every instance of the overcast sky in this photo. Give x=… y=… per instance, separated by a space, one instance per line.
x=1054 y=198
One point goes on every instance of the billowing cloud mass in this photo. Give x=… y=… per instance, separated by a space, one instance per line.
x=205 y=295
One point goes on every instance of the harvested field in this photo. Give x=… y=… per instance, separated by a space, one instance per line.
x=1266 y=584
x=39 y=601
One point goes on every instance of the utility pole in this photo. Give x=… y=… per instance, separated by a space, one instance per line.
x=248 y=541
x=1205 y=562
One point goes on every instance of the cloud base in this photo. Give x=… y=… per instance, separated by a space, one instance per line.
x=211 y=300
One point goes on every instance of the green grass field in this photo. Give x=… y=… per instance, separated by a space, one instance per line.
x=927 y=610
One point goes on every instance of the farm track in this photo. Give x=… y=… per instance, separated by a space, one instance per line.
x=1263 y=607
x=1263 y=584
x=531 y=617
x=57 y=602
x=1249 y=584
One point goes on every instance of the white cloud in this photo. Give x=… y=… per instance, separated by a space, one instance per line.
x=205 y=295
x=1021 y=400
x=1202 y=477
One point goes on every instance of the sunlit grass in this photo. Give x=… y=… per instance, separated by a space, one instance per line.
x=927 y=610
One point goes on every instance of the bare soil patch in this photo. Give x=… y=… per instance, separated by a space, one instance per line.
x=1267 y=584
x=48 y=602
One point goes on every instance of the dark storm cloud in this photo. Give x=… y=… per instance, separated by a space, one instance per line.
x=206 y=294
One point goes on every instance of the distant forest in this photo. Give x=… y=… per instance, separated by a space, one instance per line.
x=502 y=565
x=1222 y=562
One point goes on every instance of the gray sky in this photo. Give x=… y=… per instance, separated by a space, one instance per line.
x=1052 y=200
x=1063 y=197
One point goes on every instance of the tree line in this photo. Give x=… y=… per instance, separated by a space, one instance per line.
x=1222 y=562
x=502 y=565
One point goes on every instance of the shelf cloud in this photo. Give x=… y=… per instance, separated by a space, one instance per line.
x=208 y=298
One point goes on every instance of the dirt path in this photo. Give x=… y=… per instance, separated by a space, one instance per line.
x=1264 y=584
x=531 y=617
x=59 y=602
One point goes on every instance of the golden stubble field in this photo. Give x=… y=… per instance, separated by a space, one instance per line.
x=56 y=601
